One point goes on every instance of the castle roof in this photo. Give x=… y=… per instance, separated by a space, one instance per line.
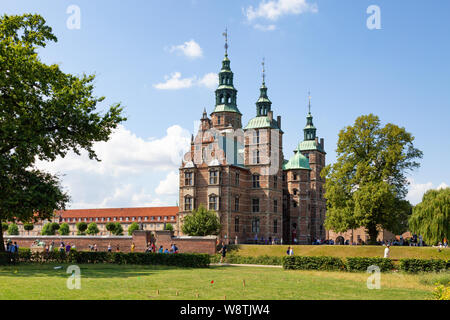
x=297 y=161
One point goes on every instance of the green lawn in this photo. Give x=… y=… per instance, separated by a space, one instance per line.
x=345 y=251
x=142 y=282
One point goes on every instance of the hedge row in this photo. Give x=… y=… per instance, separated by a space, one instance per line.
x=361 y=264
x=422 y=265
x=261 y=260
x=189 y=260
x=312 y=263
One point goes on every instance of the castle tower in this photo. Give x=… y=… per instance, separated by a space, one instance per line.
x=264 y=157
x=315 y=152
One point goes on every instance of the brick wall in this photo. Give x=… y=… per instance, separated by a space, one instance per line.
x=139 y=238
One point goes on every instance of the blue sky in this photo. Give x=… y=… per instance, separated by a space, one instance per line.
x=399 y=72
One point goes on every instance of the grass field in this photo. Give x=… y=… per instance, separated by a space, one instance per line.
x=142 y=282
x=345 y=251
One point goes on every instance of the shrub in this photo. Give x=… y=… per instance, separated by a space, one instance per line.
x=49 y=229
x=28 y=226
x=81 y=227
x=261 y=260
x=169 y=227
x=4 y=226
x=13 y=229
x=442 y=292
x=64 y=229
x=361 y=264
x=312 y=263
x=134 y=226
x=423 y=265
x=118 y=231
x=4 y=258
x=92 y=229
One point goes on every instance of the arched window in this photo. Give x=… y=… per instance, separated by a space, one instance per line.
x=188 y=203
x=213 y=202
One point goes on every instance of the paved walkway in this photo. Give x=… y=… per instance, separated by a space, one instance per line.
x=244 y=265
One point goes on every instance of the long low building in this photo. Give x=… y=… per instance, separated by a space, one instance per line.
x=148 y=218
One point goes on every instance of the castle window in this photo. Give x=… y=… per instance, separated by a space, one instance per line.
x=255 y=225
x=188 y=178
x=213 y=177
x=275 y=226
x=294 y=204
x=188 y=203
x=275 y=205
x=275 y=182
x=218 y=119
x=256 y=157
x=295 y=192
x=213 y=202
x=256 y=137
x=236 y=203
x=255 y=205
x=236 y=224
x=236 y=182
x=295 y=176
x=255 y=181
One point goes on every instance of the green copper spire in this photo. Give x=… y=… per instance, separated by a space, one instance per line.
x=263 y=105
x=226 y=94
x=310 y=130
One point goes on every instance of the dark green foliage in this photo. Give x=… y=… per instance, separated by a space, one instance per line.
x=50 y=229
x=4 y=258
x=188 y=260
x=312 y=263
x=169 y=227
x=13 y=229
x=361 y=264
x=28 y=226
x=422 y=265
x=367 y=185
x=64 y=229
x=134 y=226
x=81 y=227
x=44 y=114
x=118 y=230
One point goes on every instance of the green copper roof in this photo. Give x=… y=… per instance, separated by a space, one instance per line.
x=262 y=122
x=309 y=145
x=226 y=108
x=298 y=161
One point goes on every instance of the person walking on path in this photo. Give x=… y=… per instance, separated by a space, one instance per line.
x=132 y=247
x=223 y=252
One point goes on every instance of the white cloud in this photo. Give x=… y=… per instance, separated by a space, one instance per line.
x=274 y=9
x=129 y=170
x=175 y=82
x=169 y=186
x=209 y=80
x=270 y=27
x=190 y=49
x=417 y=190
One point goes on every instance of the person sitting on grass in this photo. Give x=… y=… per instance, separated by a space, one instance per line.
x=161 y=250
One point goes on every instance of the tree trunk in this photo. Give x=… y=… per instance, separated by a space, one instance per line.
x=373 y=234
x=2 y=243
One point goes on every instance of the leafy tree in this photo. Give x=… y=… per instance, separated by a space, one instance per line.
x=4 y=226
x=134 y=226
x=50 y=229
x=118 y=231
x=169 y=227
x=201 y=223
x=64 y=229
x=44 y=114
x=92 y=229
x=431 y=217
x=13 y=229
x=28 y=227
x=81 y=227
x=367 y=185
x=111 y=227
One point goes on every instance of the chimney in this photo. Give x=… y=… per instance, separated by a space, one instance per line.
x=270 y=114
x=322 y=143
x=279 y=121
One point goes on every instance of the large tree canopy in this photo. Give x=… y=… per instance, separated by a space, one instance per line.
x=367 y=185
x=431 y=217
x=44 y=113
